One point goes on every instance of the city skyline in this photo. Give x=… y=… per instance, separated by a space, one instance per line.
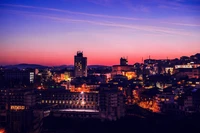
x=50 y=33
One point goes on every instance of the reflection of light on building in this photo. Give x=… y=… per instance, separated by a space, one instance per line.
x=84 y=88
x=169 y=70
x=122 y=70
x=189 y=65
x=151 y=105
x=72 y=100
x=31 y=77
x=83 y=103
x=130 y=75
x=62 y=77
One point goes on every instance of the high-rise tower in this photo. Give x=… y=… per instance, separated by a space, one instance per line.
x=123 y=61
x=80 y=65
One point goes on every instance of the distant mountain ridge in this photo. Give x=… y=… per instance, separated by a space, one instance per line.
x=34 y=66
x=24 y=66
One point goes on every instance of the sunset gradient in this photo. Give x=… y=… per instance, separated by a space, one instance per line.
x=49 y=32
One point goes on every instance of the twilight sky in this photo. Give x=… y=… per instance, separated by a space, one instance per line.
x=49 y=32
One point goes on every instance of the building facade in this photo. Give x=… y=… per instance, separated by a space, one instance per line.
x=19 y=114
x=64 y=99
x=111 y=104
x=20 y=76
x=80 y=65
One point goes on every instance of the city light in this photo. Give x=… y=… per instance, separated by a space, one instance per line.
x=134 y=70
x=2 y=130
x=82 y=102
x=14 y=107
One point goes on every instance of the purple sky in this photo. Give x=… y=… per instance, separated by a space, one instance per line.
x=50 y=32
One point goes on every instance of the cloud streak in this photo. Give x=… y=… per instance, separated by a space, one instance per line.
x=102 y=2
x=183 y=24
x=96 y=15
x=150 y=29
x=72 y=12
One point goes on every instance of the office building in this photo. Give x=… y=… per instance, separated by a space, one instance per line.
x=71 y=104
x=123 y=69
x=16 y=76
x=190 y=72
x=111 y=104
x=64 y=99
x=123 y=61
x=3 y=107
x=19 y=113
x=80 y=65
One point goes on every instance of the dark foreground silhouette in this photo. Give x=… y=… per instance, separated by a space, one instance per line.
x=128 y=124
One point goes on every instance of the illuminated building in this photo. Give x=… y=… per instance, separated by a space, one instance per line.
x=80 y=65
x=58 y=77
x=21 y=111
x=123 y=69
x=105 y=104
x=130 y=75
x=164 y=98
x=46 y=74
x=190 y=72
x=189 y=65
x=169 y=70
x=65 y=99
x=146 y=99
x=84 y=87
x=71 y=104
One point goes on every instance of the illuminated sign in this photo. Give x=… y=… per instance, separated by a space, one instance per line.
x=187 y=66
x=14 y=107
x=183 y=66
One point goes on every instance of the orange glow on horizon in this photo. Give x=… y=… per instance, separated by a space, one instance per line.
x=53 y=59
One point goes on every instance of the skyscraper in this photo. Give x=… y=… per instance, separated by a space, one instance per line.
x=80 y=65
x=123 y=61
